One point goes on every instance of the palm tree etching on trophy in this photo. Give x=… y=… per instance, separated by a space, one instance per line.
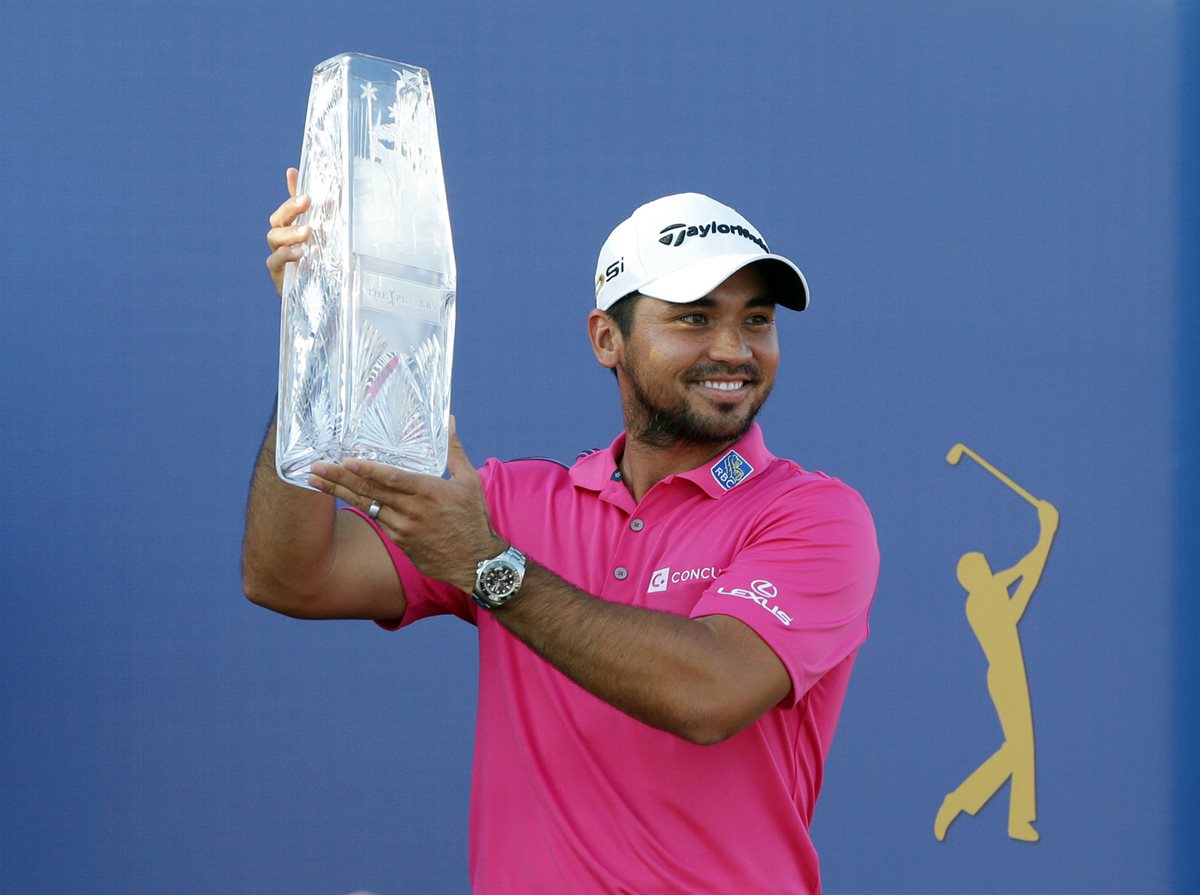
x=993 y=611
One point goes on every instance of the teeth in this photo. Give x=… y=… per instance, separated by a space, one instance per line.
x=723 y=386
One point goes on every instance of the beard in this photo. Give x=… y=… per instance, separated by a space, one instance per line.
x=662 y=419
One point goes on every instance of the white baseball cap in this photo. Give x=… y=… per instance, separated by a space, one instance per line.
x=680 y=248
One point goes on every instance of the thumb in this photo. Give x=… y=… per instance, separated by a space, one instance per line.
x=457 y=460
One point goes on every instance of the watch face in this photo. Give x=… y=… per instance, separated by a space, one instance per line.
x=499 y=580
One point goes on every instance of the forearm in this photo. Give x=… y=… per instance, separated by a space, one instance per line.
x=1031 y=568
x=702 y=679
x=691 y=677
x=289 y=536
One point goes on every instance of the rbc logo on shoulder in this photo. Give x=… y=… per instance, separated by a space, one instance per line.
x=731 y=470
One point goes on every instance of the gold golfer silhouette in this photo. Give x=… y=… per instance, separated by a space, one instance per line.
x=993 y=613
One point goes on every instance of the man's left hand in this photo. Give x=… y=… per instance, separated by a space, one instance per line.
x=442 y=525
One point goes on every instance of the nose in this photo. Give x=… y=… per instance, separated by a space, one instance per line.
x=729 y=345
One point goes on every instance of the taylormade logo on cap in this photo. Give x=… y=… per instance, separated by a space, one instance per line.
x=679 y=248
x=677 y=233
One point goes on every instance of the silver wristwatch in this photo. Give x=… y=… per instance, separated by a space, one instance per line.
x=497 y=580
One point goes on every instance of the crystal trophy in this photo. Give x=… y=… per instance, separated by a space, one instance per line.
x=367 y=330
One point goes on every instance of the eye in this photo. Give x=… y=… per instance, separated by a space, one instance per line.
x=695 y=318
x=760 y=320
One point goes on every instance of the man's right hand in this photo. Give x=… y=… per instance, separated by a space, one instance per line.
x=283 y=238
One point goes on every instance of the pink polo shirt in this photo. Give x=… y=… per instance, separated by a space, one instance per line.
x=570 y=794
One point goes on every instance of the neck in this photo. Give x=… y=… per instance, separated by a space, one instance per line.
x=645 y=463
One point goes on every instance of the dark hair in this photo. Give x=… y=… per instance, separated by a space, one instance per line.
x=621 y=312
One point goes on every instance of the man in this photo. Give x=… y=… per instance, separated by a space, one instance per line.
x=666 y=629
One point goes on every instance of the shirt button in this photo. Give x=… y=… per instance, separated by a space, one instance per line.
x=621 y=573
x=637 y=524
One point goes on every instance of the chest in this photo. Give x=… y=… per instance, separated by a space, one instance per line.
x=662 y=555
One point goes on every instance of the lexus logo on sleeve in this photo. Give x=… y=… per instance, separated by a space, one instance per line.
x=763 y=593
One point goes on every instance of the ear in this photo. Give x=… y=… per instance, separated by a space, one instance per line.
x=605 y=338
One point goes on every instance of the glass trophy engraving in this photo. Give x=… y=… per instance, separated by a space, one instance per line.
x=367 y=329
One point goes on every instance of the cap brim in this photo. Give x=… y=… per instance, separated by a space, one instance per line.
x=787 y=284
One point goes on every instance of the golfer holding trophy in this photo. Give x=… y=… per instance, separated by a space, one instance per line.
x=667 y=627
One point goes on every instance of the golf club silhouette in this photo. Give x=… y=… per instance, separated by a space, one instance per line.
x=956 y=454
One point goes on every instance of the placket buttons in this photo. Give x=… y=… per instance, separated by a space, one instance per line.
x=637 y=524
x=621 y=573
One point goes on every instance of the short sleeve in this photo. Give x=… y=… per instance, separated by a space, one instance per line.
x=425 y=596
x=804 y=579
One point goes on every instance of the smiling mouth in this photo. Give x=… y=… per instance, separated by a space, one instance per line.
x=723 y=386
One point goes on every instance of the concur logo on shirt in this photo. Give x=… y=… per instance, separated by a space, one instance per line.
x=763 y=593
x=664 y=578
x=731 y=470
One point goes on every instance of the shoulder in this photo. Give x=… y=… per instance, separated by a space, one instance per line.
x=523 y=495
x=804 y=500
x=524 y=467
x=787 y=482
x=524 y=475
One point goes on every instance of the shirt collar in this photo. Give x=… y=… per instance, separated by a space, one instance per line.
x=597 y=469
x=743 y=460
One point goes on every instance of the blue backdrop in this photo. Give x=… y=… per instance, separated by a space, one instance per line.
x=987 y=203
